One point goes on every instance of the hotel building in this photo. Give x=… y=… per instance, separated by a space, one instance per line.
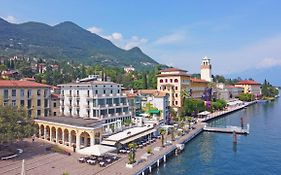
x=173 y=81
x=250 y=86
x=34 y=97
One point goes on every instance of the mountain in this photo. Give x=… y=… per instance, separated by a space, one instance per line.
x=66 y=41
x=271 y=74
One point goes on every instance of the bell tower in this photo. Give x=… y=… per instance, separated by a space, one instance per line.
x=206 y=69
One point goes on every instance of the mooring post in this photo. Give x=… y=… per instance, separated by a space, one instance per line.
x=242 y=122
x=164 y=158
x=234 y=137
x=158 y=162
x=150 y=169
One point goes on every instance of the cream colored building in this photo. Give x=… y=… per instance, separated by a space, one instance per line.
x=250 y=86
x=68 y=131
x=173 y=81
x=34 y=97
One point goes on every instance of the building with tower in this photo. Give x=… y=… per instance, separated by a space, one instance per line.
x=206 y=69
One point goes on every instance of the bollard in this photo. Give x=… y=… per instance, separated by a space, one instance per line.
x=158 y=162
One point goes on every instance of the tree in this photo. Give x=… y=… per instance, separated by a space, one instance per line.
x=2 y=68
x=14 y=124
x=162 y=132
x=132 y=154
x=189 y=119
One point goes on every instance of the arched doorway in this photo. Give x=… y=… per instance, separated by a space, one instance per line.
x=48 y=133
x=66 y=137
x=59 y=139
x=85 y=139
x=72 y=138
x=53 y=133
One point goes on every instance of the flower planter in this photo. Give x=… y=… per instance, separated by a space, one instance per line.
x=131 y=165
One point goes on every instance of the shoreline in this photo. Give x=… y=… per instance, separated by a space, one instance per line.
x=155 y=162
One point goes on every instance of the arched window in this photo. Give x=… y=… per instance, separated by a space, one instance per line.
x=166 y=80
x=176 y=80
x=171 y=80
x=161 y=80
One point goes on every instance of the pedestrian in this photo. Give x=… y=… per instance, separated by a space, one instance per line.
x=74 y=148
x=33 y=138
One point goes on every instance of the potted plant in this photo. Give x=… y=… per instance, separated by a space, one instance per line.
x=132 y=155
x=162 y=133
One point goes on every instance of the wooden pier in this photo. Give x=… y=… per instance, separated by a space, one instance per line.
x=230 y=129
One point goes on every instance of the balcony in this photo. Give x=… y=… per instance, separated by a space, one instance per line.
x=77 y=96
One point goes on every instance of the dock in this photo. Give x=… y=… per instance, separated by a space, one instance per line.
x=229 y=129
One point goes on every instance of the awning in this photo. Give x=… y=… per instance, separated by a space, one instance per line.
x=96 y=150
x=204 y=113
x=154 y=111
x=130 y=139
x=108 y=142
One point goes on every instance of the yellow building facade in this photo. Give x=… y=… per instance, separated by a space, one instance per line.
x=34 y=97
x=173 y=81
x=67 y=132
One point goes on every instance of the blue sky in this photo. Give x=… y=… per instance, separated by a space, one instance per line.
x=237 y=35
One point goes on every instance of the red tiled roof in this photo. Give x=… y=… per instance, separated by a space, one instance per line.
x=153 y=92
x=196 y=80
x=17 y=83
x=172 y=70
x=176 y=74
x=249 y=82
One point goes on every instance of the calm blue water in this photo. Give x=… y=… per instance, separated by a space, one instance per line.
x=214 y=153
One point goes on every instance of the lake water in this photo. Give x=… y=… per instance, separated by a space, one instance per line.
x=215 y=154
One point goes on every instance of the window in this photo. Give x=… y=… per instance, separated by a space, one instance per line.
x=38 y=102
x=70 y=102
x=118 y=91
x=176 y=102
x=78 y=92
x=70 y=112
x=176 y=88
x=111 y=91
x=6 y=93
x=70 y=92
x=29 y=93
x=166 y=80
x=161 y=80
x=88 y=93
x=38 y=112
x=55 y=104
x=46 y=112
x=46 y=93
x=38 y=92
x=22 y=102
x=97 y=91
x=14 y=92
x=176 y=80
x=88 y=113
x=46 y=103
x=14 y=103
x=78 y=112
x=171 y=80
x=77 y=102
x=104 y=91
x=55 y=113
x=62 y=92
x=176 y=94
x=28 y=104
x=22 y=93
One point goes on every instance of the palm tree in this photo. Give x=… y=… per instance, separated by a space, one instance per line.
x=132 y=154
x=162 y=133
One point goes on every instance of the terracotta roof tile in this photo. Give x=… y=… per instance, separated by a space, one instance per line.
x=172 y=70
x=24 y=84
x=249 y=82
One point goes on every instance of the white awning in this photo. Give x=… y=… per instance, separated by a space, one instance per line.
x=108 y=142
x=204 y=113
x=130 y=139
x=96 y=150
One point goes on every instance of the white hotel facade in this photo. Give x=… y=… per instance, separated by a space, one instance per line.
x=99 y=100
